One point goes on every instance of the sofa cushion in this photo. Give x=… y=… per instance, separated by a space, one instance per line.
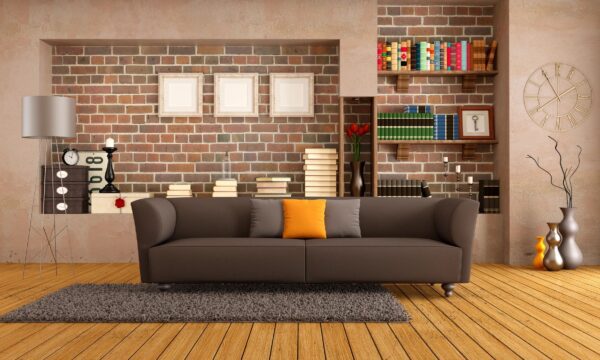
x=304 y=219
x=266 y=218
x=192 y=260
x=382 y=260
x=342 y=218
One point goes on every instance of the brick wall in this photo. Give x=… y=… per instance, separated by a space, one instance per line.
x=116 y=88
x=430 y=23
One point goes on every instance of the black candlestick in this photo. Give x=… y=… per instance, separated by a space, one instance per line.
x=110 y=172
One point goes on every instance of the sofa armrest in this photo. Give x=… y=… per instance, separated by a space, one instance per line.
x=455 y=221
x=154 y=224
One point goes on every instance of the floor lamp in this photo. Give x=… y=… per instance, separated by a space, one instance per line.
x=47 y=118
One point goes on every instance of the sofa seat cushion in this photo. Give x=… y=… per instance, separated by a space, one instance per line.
x=228 y=260
x=382 y=260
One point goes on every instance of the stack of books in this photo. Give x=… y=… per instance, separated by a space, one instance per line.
x=179 y=190
x=401 y=188
x=320 y=170
x=489 y=196
x=225 y=188
x=272 y=187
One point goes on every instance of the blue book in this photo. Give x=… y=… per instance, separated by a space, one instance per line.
x=439 y=127
x=418 y=57
x=414 y=109
x=463 y=55
x=436 y=55
x=455 y=123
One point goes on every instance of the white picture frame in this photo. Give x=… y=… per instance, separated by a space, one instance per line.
x=180 y=94
x=292 y=94
x=236 y=94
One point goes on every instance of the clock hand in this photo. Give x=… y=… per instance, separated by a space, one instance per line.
x=566 y=91
x=550 y=83
x=547 y=103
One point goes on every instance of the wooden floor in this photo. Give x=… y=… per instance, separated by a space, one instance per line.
x=504 y=313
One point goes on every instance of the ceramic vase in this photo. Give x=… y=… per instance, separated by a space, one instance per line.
x=540 y=248
x=570 y=252
x=552 y=260
x=357 y=185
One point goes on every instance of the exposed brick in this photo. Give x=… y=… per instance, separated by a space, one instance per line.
x=97 y=50
x=126 y=50
x=182 y=50
x=112 y=69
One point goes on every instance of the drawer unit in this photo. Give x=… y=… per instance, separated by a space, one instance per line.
x=74 y=189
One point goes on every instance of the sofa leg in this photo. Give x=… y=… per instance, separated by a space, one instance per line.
x=448 y=289
x=164 y=287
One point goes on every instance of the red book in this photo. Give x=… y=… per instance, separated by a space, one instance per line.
x=379 y=56
x=469 y=57
x=448 y=56
x=458 y=56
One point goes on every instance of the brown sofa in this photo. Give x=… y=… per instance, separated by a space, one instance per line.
x=404 y=240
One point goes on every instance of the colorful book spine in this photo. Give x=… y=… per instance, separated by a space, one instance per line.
x=458 y=65
x=431 y=56
x=413 y=57
x=417 y=109
x=388 y=55
x=448 y=56
x=463 y=55
x=469 y=56
x=455 y=126
x=379 y=58
x=403 y=64
x=443 y=56
x=408 y=54
x=492 y=54
x=394 y=56
x=436 y=55
x=424 y=56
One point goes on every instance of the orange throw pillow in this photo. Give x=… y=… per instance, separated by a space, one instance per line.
x=304 y=219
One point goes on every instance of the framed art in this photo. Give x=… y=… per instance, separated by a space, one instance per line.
x=476 y=122
x=292 y=94
x=180 y=94
x=236 y=94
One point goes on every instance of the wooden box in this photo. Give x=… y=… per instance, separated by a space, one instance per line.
x=104 y=203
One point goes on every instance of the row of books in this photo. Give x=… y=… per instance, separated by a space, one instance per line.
x=180 y=190
x=445 y=126
x=272 y=187
x=435 y=56
x=225 y=188
x=489 y=196
x=417 y=126
x=320 y=172
x=402 y=188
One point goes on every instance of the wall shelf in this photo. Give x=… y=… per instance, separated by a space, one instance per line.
x=403 y=77
x=468 y=146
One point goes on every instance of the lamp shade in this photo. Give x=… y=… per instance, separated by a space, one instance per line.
x=48 y=116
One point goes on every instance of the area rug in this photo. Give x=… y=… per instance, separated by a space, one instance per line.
x=214 y=303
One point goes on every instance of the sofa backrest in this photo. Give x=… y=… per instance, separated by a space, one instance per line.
x=230 y=217
x=398 y=217
x=211 y=217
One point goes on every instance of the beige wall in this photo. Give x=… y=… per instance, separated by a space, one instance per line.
x=540 y=31
x=544 y=31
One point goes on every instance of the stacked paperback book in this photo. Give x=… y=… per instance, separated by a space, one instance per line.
x=436 y=56
x=225 y=188
x=402 y=188
x=320 y=170
x=272 y=187
x=179 y=190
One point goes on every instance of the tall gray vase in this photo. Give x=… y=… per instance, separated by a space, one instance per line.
x=568 y=248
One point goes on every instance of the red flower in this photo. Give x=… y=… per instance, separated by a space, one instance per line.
x=363 y=130
x=119 y=203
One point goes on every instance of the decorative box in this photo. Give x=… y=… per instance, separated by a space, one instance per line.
x=64 y=190
x=105 y=203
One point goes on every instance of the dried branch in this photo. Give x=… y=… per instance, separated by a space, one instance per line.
x=574 y=171
x=562 y=168
x=536 y=161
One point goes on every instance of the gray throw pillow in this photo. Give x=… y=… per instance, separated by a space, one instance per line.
x=266 y=218
x=342 y=218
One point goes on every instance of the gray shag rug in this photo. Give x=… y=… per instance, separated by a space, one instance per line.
x=229 y=302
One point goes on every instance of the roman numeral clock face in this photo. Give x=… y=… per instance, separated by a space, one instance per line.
x=557 y=97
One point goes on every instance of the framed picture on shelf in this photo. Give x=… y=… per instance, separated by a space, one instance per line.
x=476 y=123
x=180 y=94
x=292 y=94
x=236 y=94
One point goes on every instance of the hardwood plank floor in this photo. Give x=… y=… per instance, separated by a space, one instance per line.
x=504 y=313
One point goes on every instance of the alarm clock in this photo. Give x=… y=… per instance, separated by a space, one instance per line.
x=70 y=156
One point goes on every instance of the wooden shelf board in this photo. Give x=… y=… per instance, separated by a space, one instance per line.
x=436 y=73
x=461 y=142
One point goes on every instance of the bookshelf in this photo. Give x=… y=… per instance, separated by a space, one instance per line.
x=403 y=78
x=468 y=146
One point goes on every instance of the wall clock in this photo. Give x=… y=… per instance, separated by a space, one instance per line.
x=557 y=97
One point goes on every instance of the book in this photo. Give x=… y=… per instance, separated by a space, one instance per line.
x=272 y=195
x=226 y=182
x=320 y=167
x=320 y=173
x=379 y=52
x=490 y=62
x=408 y=54
x=463 y=56
x=436 y=54
x=271 y=184
x=179 y=192
x=180 y=186
x=224 y=194
x=225 y=188
x=458 y=56
x=395 y=55
x=271 y=190
x=320 y=162
x=320 y=151
x=316 y=183
x=469 y=56
x=276 y=179
x=320 y=194
x=319 y=178
x=319 y=156
x=489 y=196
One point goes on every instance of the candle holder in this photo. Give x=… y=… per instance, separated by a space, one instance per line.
x=471 y=191
x=459 y=179
x=110 y=172
x=446 y=173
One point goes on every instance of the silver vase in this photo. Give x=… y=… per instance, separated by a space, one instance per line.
x=568 y=248
x=552 y=260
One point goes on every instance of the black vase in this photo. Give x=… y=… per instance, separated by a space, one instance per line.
x=357 y=185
